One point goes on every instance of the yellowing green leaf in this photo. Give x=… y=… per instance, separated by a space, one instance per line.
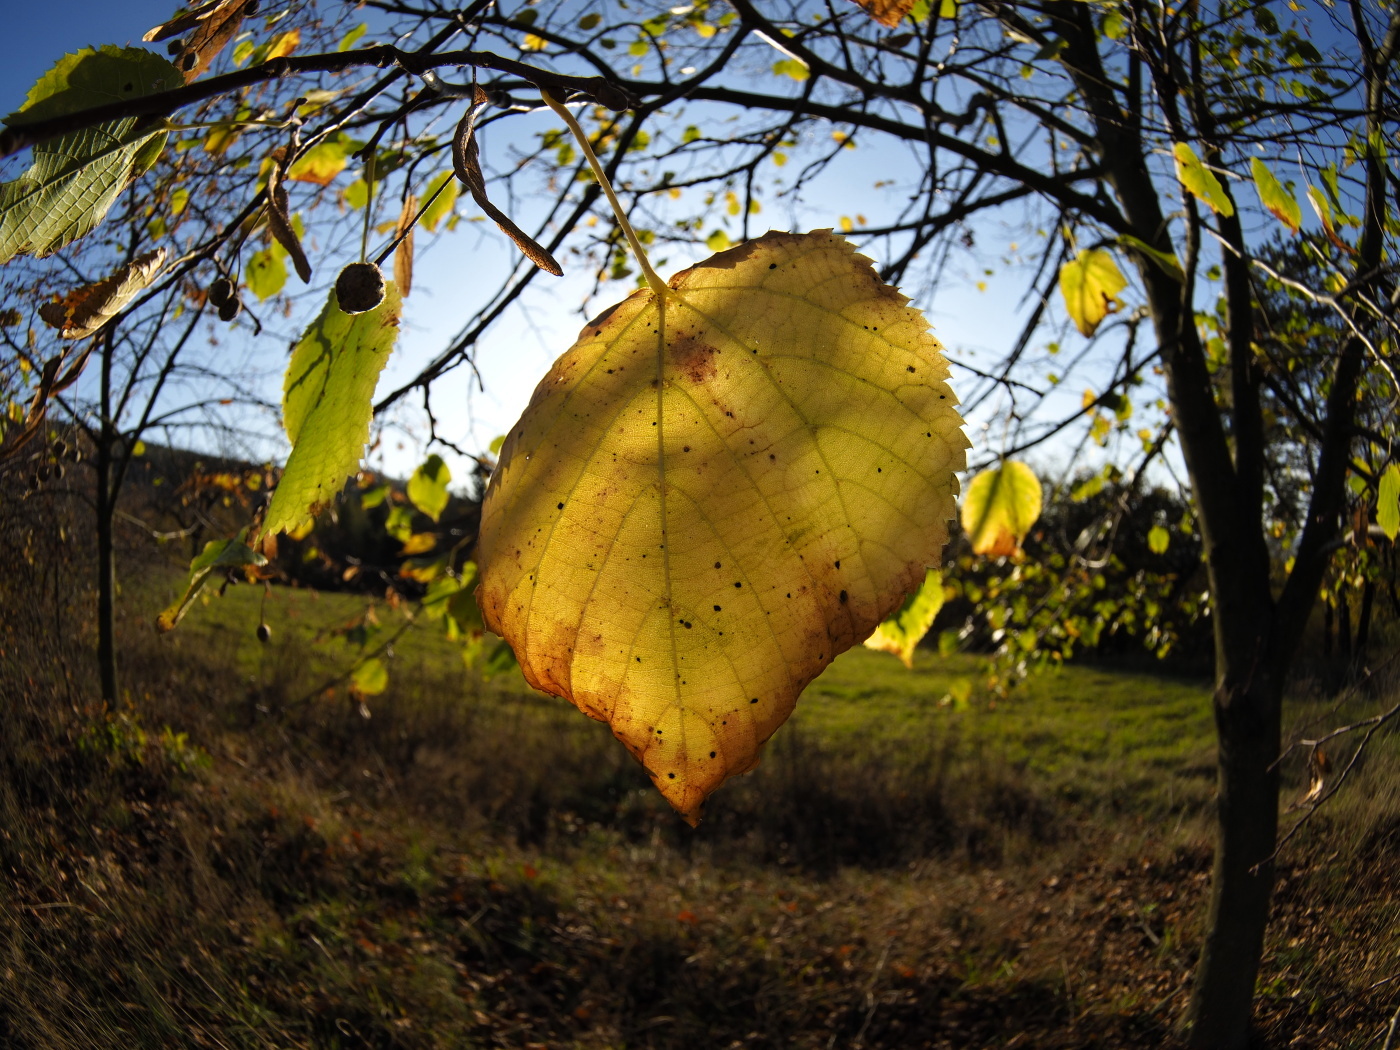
x=283 y=44
x=1324 y=214
x=75 y=178
x=687 y=525
x=322 y=163
x=266 y=274
x=1090 y=283
x=902 y=632
x=217 y=554
x=419 y=543
x=399 y=523
x=1388 y=502
x=717 y=241
x=999 y=508
x=371 y=498
x=534 y=42
x=1167 y=262
x=326 y=405
x=1200 y=181
x=1158 y=539
x=1274 y=197
x=371 y=678
x=352 y=38
x=440 y=205
x=428 y=486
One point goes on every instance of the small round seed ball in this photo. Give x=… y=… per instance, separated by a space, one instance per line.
x=359 y=287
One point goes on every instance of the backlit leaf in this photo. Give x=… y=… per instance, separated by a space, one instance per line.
x=324 y=162
x=440 y=204
x=266 y=274
x=1274 y=197
x=428 y=486
x=83 y=311
x=999 y=508
x=326 y=406
x=1324 y=214
x=1090 y=283
x=75 y=178
x=1158 y=539
x=371 y=678
x=903 y=631
x=1200 y=181
x=886 y=12
x=217 y=554
x=695 y=516
x=1388 y=502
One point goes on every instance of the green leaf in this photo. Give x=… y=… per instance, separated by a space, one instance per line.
x=427 y=489
x=1090 y=283
x=326 y=405
x=399 y=523
x=371 y=678
x=903 y=631
x=1200 y=181
x=75 y=178
x=437 y=599
x=441 y=205
x=371 y=498
x=793 y=68
x=217 y=554
x=352 y=38
x=1167 y=262
x=266 y=274
x=717 y=241
x=1158 y=539
x=1388 y=502
x=589 y=21
x=999 y=508
x=1274 y=197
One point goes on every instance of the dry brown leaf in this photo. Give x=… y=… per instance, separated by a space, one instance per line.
x=466 y=162
x=211 y=26
x=84 y=310
x=279 y=223
x=403 y=255
x=886 y=12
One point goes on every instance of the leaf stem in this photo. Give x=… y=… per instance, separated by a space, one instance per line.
x=658 y=286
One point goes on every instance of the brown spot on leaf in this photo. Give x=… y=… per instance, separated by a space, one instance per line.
x=693 y=358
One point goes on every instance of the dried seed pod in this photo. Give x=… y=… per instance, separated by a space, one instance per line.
x=59 y=471
x=229 y=310
x=43 y=473
x=221 y=291
x=59 y=447
x=360 y=287
x=264 y=633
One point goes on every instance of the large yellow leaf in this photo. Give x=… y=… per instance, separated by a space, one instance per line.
x=692 y=519
x=1000 y=507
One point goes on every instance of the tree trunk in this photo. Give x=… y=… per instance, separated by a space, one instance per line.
x=1247 y=718
x=1363 y=627
x=1327 y=629
x=1344 y=628
x=106 y=554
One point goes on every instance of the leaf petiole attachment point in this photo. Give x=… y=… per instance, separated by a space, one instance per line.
x=657 y=285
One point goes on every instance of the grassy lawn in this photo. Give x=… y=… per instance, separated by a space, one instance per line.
x=240 y=857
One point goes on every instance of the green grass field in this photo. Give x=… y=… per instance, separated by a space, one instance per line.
x=239 y=857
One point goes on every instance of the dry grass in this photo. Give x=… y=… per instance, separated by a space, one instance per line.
x=219 y=864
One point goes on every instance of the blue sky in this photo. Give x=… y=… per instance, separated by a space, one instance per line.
x=452 y=269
